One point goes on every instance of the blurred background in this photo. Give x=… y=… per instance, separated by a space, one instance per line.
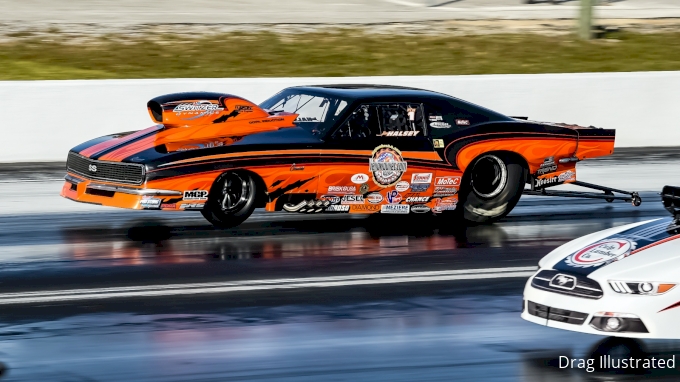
x=299 y=298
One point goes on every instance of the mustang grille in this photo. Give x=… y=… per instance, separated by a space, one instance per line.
x=583 y=286
x=554 y=314
x=128 y=173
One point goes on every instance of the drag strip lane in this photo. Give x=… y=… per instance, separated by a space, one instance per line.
x=259 y=285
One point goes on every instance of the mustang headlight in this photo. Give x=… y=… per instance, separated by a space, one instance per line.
x=640 y=287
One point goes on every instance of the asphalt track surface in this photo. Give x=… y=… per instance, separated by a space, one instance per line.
x=96 y=294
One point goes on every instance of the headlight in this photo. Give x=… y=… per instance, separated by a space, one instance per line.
x=640 y=287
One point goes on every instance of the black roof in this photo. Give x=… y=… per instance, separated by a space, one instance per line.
x=365 y=91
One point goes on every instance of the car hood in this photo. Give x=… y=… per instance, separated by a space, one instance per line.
x=649 y=246
x=157 y=142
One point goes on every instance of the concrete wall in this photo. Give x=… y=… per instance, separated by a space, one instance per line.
x=41 y=120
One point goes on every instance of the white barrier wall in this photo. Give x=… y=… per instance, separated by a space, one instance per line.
x=42 y=120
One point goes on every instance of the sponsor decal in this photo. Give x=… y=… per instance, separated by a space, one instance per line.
x=619 y=246
x=363 y=188
x=440 y=125
x=266 y=120
x=294 y=167
x=420 y=187
x=337 y=208
x=387 y=165
x=374 y=198
x=438 y=143
x=420 y=209
x=398 y=134
x=334 y=199
x=402 y=186
x=394 y=209
x=566 y=176
x=434 y=118
x=601 y=253
x=199 y=108
x=171 y=206
x=306 y=119
x=192 y=206
x=149 y=203
x=92 y=168
x=421 y=178
x=352 y=199
x=359 y=178
x=364 y=208
x=243 y=108
x=342 y=189
x=447 y=181
x=547 y=166
x=563 y=281
x=445 y=191
x=195 y=195
x=393 y=197
x=463 y=122
x=417 y=199
x=444 y=205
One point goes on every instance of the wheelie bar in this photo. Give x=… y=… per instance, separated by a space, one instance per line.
x=608 y=193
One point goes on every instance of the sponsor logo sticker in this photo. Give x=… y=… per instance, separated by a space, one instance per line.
x=195 y=195
x=359 y=178
x=447 y=181
x=337 y=208
x=192 y=206
x=342 y=189
x=398 y=134
x=420 y=209
x=419 y=187
x=601 y=253
x=421 y=177
x=333 y=199
x=445 y=191
x=444 y=205
x=463 y=122
x=387 y=165
x=374 y=198
x=402 y=186
x=417 y=199
x=364 y=208
x=170 y=206
x=434 y=118
x=149 y=203
x=352 y=199
x=393 y=197
x=438 y=143
x=440 y=125
x=394 y=209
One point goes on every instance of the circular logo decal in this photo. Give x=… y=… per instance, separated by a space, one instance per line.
x=374 y=198
x=401 y=186
x=387 y=165
x=359 y=178
x=601 y=253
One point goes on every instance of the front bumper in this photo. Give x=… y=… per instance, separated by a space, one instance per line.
x=88 y=191
x=570 y=311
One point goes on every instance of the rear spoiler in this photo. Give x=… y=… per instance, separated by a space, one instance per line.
x=671 y=200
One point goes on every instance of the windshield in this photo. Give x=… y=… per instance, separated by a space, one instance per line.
x=316 y=113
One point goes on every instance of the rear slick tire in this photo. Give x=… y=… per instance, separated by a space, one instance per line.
x=492 y=188
x=231 y=200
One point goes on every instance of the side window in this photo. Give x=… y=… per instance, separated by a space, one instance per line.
x=384 y=120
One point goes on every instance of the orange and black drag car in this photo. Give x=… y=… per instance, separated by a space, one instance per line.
x=360 y=149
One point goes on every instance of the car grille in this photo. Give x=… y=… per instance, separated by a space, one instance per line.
x=554 y=314
x=585 y=287
x=128 y=173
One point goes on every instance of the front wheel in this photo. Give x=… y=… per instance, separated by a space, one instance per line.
x=492 y=188
x=231 y=200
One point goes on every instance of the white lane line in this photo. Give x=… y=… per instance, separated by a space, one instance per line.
x=254 y=285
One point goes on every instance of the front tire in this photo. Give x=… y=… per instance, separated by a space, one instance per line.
x=492 y=188
x=231 y=200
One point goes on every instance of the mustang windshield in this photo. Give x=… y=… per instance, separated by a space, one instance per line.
x=316 y=113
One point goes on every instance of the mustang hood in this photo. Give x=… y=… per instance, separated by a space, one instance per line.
x=189 y=121
x=618 y=249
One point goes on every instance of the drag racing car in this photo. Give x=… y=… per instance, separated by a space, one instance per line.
x=357 y=149
x=622 y=281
